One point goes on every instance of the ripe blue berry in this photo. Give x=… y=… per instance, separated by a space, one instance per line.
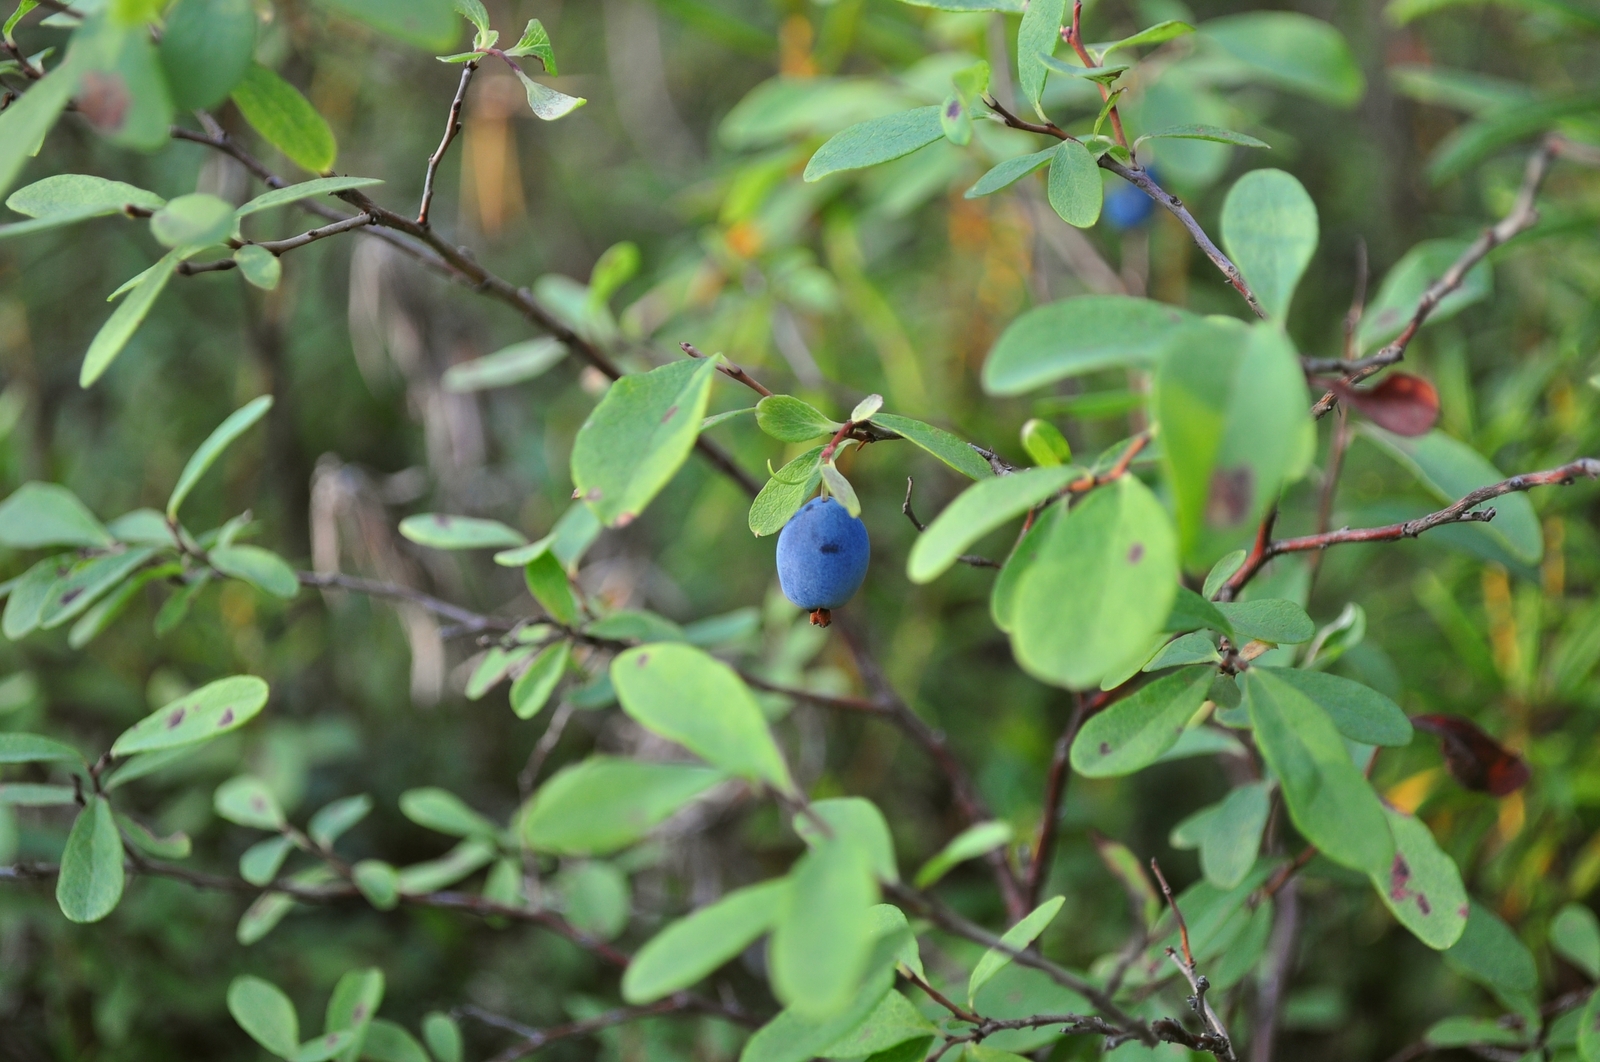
x=822 y=557
x=1126 y=206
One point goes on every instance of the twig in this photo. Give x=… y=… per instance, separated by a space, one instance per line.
x=1220 y=1044
x=1462 y=512
x=971 y=559
x=1522 y=216
x=730 y=370
x=1073 y=35
x=452 y=127
x=1340 y=440
x=968 y=801
x=1138 y=176
x=534 y=1039
x=1286 y=872
x=470 y=622
x=1055 y=790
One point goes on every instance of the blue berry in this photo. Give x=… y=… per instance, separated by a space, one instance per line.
x=822 y=557
x=1126 y=205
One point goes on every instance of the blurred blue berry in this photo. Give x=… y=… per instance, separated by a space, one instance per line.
x=1126 y=206
x=822 y=557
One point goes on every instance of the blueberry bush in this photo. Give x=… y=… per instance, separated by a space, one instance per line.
x=464 y=568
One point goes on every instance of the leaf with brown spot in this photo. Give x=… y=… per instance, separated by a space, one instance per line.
x=213 y=709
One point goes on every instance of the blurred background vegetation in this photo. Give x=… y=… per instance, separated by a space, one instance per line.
x=891 y=283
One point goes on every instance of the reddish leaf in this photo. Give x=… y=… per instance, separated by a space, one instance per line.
x=1475 y=759
x=1402 y=403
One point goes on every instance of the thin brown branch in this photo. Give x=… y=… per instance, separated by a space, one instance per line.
x=1073 y=35
x=1055 y=790
x=470 y=622
x=730 y=370
x=1140 y=178
x=971 y=559
x=958 y=1011
x=452 y=128
x=1522 y=216
x=291 y=243
x=340 y=893
x=1464 y=511
x=1216 y=1039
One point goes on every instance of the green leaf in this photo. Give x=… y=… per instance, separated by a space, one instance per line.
x=193 y=221
x=247 y=801
x=970 y=843
x=379 y=883
x=687 y=696
x=536 y=41
x=547 y=582
x=1114 y=558
x=1589 y=1029
x=1450 y=469
x=126 y=318
x=263 y=1011
x=1133 y=732
x=1327 y=797
x=1361 y=713
x=387 y=1042
x=1204 y=132
x=862 y=821
x=1045 y=444
x=435 y=874
x=638 y=437
x=1018 y=937
x=1575 y=936
x=546 y=102
x=1160 y=33
x=259 y=266
x=795 y=1037
x=1077 y=336
x=73 y=196
x=261 y=568
x=1269 y=227
x=1193 y=648
x=25 y=605
x=440 y=531
x=1422 y=887
x=790 y=420
x=1037 y=37
x=286 y=119
x=822 y=940
x=295 y=193
x=1232 y=406
x=1292 y=51
x=1228 y=834
x=595 y=897
x=441 y=810
x=1473 y=142
x=895 y=1022
x=783 y=494
x=1010 y=7
x=260 y=863
x=237 y=423
x=1009 y=172
x=532 y=689
x=635 y=625
x=34 y=795
x=47 y=514
x=356 y=998
x=1074 y=188
x=1221 y=572
x=1490 y=953
x=836 y=486
x=512 y=365
x=976 y=511
x=951 y=449
x=31 y=748
x=324 y=1047
x=24 y=124
x=878 y=140
x=262 y=917
x=174 y=846
x=442 y=1036
x=1409 y=278
x=1269 y=620
x=603 y=804
x=87 y=582
x=90 y=881
x=1464 y=1031
x=213 y=709
x=429 y=24
x=206 y=47
x=333 y=819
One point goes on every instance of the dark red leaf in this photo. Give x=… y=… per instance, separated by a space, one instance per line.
x=1402 y=403
x=1475 y=759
